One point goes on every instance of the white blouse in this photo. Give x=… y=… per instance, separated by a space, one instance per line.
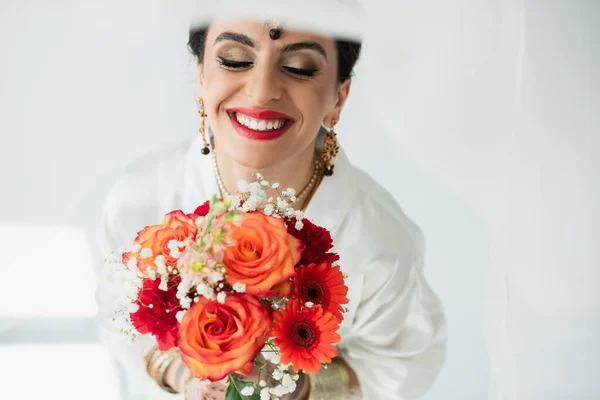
x=394 y=334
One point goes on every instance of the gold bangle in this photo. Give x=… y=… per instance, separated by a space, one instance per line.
x=150 y=356
x=331 y=383
x=173 y=354
x=158 y=365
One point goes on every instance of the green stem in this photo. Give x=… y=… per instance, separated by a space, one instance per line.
x=232 y=382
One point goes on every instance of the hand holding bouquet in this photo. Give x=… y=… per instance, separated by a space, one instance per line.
x=240 y=284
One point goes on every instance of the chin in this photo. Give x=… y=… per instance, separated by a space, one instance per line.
x=253 y=154
x=254 y=160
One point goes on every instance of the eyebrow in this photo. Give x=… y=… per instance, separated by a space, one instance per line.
x=236 y=37
x=304 y=46
x=246 y=41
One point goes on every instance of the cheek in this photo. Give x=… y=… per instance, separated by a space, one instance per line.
x=314 y=103
x=219 y=86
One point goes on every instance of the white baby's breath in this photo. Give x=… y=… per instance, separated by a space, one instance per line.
x=186 y=302
x=163 y=283
x=205 y=290
x=180 y=314
x=254 y=188
x=173 y=246
x=277 y=375
x=221 y=297
x=286 y=380
x=239 y=287
x=159 y=261
x=264 y=394
x=248 y=390
x=269 y=209
x=132 y=264
x=146 y=253
x=216 y=276
x=183 y=288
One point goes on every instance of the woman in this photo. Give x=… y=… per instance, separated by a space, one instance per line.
x=267 y=91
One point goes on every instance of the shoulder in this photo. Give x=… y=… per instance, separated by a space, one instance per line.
x=136 y=197
x=154 y=168
x=379 y=225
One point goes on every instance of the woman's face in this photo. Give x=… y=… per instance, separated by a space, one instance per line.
x=266 y=99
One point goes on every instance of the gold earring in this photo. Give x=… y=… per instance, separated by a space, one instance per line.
x=330 y=149
x=205 y=150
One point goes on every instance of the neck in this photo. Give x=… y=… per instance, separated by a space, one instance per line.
x=293 y=172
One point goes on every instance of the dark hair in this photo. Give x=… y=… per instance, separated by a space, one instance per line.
x=348 y=52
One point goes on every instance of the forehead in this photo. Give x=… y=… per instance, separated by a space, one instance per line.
x=259 y=33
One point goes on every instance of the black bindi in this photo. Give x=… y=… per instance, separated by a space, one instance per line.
x=275 y=31
x=274 y=34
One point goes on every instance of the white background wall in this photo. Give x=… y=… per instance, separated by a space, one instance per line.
x=87 y=86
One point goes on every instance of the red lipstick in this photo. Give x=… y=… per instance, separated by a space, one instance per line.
x=253 y=134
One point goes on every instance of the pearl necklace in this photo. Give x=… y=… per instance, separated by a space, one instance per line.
x=305 y=191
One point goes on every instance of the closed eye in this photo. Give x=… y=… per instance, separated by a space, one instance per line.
x=234 y=64
x=301 y=71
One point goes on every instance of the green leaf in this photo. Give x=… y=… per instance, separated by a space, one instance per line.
x=235 y=387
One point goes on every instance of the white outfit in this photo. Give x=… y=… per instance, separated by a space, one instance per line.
x=394 y=334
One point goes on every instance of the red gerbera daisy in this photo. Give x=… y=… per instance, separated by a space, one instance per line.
x=305 y=336
x=157 y=312
x=322 y=284
x=317 y=242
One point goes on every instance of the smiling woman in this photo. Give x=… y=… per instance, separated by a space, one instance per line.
x=267 y=91
x=266 y=98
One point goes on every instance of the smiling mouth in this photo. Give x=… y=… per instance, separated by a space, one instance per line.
x=259 y=124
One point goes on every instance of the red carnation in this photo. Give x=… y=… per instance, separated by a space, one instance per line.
x=202 y=210
x=157 y=312
x=317 y=241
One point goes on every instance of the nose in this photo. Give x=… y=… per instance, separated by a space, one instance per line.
x=263 y=84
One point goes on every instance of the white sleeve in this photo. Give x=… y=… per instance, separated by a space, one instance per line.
x=112 y=233
x=397 y=343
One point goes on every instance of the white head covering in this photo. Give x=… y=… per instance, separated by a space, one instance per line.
x=339 y=18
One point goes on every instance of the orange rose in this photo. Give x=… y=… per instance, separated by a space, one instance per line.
x=263 y=256
x=174 y=226
x=218 y=339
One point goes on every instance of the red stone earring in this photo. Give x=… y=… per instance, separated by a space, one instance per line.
x=330 y=149
x=205 y=150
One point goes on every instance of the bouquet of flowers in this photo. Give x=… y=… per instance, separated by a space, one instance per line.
x=241 y=283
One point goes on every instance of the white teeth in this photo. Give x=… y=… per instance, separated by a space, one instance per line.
x=259 y=124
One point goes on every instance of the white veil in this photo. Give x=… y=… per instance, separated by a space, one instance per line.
x=495 y=102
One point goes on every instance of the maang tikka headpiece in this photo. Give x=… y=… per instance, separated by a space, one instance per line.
x=276 y=28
